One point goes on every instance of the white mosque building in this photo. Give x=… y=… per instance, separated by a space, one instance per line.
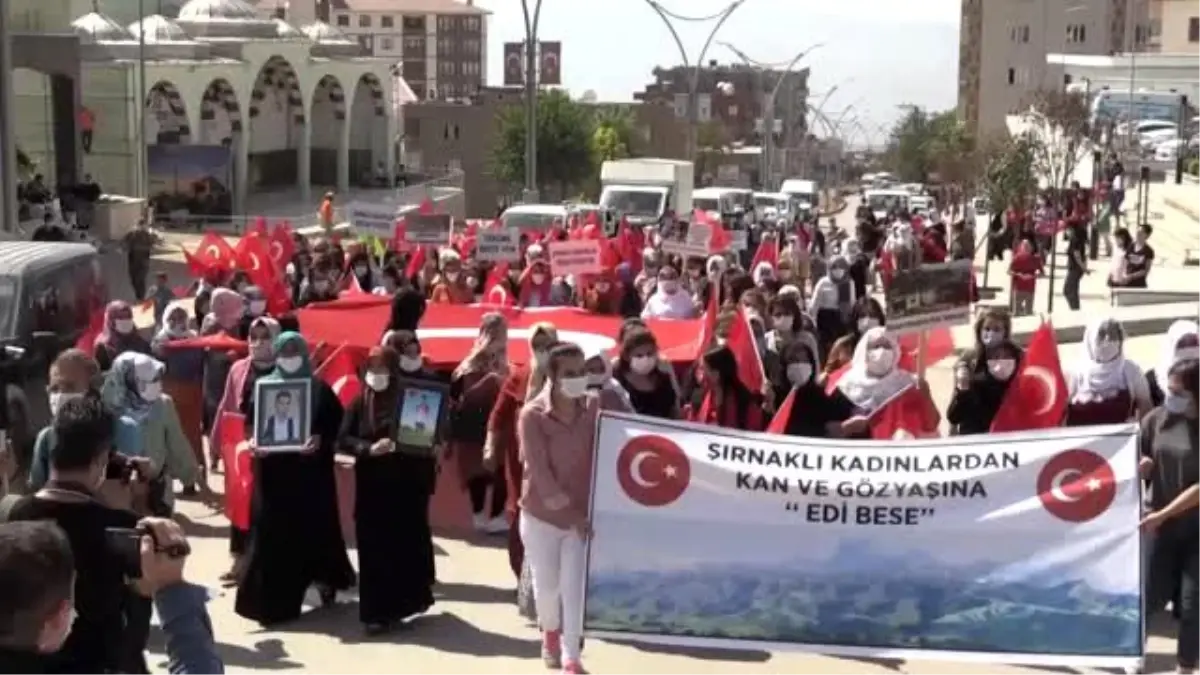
x=220 y=99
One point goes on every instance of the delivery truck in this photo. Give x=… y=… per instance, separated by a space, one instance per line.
x=644 y=189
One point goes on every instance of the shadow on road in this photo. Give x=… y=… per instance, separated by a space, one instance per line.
x=266 y=654
x=475 y=593
x=197 y=530
x=704 y=653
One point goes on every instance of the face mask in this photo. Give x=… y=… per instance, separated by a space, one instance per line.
x=1107 y=350
x=1176 y=404
x=257 y=307
x=260 y=351
x=879 y=361
x=541 y=358
x=602 y=288
x=837 y=275
x=538 y=279
x=123 y=326
x=799 y=373
x=867 y=323
x=573 y=387
x=377 y=381
x=1002 y=369
x=361 y=270
x=596 y=380
x=321 y=286
x=669 y=286
x=643 y=365
x=990 y=338
x=452 y=277
x=58 y=398
x=177 y=329
x=241 y=288
x=289 y=364
x=150 y=391
x=784 y=322
x=410 y=363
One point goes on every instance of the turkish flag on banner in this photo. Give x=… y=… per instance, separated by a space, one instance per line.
x=239 y=469
x=1037 y=393
x=907 y=415
x=340 y=372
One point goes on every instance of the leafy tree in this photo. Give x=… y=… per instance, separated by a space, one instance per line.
x=1007 y=174
x=564 y=143
x=1058 y=128
x=926 y=145
x=614 y=136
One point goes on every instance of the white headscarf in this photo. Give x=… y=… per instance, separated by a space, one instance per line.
x=165 y=332
x=1171 y=353
x=763 y=270
x=1091 y=378
x=866 y=391
x=660 y=305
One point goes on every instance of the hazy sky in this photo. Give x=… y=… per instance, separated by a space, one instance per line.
x=880 y=53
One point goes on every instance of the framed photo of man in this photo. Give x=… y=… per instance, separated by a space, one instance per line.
x=281 y=414
x=421 y=416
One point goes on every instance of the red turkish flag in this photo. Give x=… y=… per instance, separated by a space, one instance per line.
x=87 y=341
x=779 y=422
x=939 y=343
x=280 y=245
x=905 y=416
x=767 y=251
x=1037 y=393
x=259 y=229
x=239 y=469
x=745 y=351
x=215 y=253
x=708 y=327
x=340 y=372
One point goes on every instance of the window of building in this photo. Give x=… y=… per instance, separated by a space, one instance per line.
x=280 y=13
x=386 y=44
x=1012 y=76
x=681 y=105
x=1194 y=29
x=1025 y=34
x=343 y=20
x=414 y=22
x=443 y=23
x=386 y=21
x=414 y=43
x=364 y=20
x=704 y=107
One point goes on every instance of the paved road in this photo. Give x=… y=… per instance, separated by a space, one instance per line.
x=474 y=627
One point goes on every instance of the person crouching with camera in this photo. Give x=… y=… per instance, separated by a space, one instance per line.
x=111 y=595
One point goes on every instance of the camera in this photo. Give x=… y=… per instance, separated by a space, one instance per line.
x=126 y=544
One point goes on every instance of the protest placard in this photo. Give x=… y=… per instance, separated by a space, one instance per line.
x=966 y=548
x=581 y=256
x=694 y=244
x=498 y=244
x=427 y=228
x=377 y=220
x=928 y=296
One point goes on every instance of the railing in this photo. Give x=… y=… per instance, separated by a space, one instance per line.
x=447 y=186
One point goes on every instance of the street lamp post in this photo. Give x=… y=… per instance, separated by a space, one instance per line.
x=768 y=104
x=694 y=80
x=8 y=148
x=530 y=195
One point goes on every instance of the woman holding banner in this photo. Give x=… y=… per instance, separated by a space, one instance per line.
x=556 y=431
x=639 y=371
x=450 y=286
x=979 y=394
x=875 y=380
x=725 y=401
x=1105 y=387
x=809 y=410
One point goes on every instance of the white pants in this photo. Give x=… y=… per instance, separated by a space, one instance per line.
x=557 y=559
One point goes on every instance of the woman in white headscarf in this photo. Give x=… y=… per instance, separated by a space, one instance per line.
x=1181 y=343
x=832 y=304
x=875 y=380
x=669 y=301
x=1104 y=387
x=185 y=369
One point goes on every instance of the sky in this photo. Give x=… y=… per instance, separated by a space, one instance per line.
x=879 y=53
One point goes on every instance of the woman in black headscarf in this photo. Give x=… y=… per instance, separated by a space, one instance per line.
x=361 y=268
x=391 y=505
x=979 y=393
x=408 y=306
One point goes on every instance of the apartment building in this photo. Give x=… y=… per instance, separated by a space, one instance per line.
x=1003 y=46
x=1174 y=27
x=439 y=46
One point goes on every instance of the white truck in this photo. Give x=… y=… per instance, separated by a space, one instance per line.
x=801 y=193
x=644 y=189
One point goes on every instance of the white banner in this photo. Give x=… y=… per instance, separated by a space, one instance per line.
x=498 y=244
x=1020 y=548
x=580 y=256
x=374 y=219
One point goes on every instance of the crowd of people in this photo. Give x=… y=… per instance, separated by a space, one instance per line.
x=521 y=435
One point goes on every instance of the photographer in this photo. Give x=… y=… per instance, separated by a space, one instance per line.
x=112 y=623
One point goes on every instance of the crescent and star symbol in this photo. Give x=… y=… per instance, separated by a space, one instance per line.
x=1076 y=485
x=213 y=252
x=1047 y=383
x=276 y=252
x=653 y=471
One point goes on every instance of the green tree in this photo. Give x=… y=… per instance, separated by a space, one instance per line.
x=564 y=144
x=614 y=135
x=925 y=146
x=1008 y=174
x=1058 y=127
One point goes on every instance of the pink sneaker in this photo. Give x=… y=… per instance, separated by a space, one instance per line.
x=573 y=667
x=552 y=648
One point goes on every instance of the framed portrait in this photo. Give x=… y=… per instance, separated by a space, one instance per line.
x=422 y=414
x=281 y=414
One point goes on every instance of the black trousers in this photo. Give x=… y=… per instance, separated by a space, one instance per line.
x=1070 y=289
x=1173 y=567
x=477 y=489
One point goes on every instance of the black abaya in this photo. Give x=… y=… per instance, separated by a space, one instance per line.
x=391 y=518
x=295 y=535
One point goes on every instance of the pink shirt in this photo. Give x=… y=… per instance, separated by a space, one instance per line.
x=557 y=457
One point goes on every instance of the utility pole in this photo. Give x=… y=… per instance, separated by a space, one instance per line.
x=530 y=194
x=8 y=146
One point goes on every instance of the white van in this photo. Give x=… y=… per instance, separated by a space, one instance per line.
x=801 y=193
x=883 y=202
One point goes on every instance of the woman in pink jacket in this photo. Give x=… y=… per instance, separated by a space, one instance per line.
x=556 y=430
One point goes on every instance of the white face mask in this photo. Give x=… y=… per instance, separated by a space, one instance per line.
x=799 y=373
x=150 y=391
x=452 y=277
x=867 y=323
x=410 y=363
x=837 y=275
x=538 y=279
x=58 y=398
x=1107 y=350
x=377 y=381
x=123 y=326
x=289 y=364
x=1002 y=369
x=602 y=287
x=879 y=361
x=668 y=286
x=784 y=322
x=321 y=286
x=643 y=365
x=990 y=337
x=257 y=307
x=573 y=387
